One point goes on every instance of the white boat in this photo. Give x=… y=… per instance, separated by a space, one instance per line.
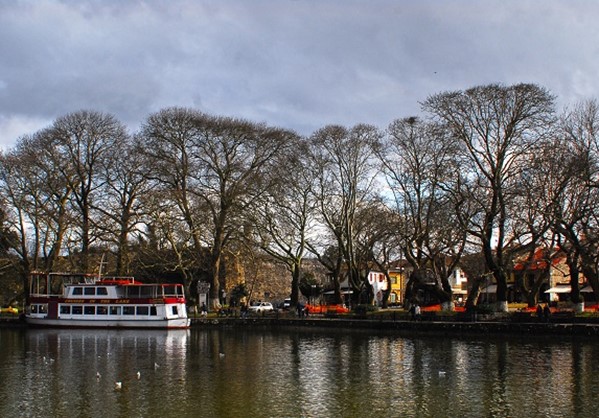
x=80 y=300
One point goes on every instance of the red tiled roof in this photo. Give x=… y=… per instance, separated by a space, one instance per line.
x=539 y=261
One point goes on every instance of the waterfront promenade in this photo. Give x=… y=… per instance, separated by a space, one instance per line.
x=408 y=327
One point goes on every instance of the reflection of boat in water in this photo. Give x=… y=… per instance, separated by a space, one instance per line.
x=81 y=300
x=81 y=355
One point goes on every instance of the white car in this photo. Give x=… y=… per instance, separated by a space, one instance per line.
x=261 y=307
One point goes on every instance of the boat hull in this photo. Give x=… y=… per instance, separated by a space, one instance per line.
x=176 y=323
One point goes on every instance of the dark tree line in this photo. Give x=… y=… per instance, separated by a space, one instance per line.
x=492 y=172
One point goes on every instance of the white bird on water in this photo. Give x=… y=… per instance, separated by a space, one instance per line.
x=221 y=355
x=156 y=366
x=98 y=375
x=138 y=375
x=118 y=385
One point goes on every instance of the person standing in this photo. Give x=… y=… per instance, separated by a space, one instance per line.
x=546 y=312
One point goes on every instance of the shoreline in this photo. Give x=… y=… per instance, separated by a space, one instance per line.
x=399 y=327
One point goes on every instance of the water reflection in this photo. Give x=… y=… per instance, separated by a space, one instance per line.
x=297 y=373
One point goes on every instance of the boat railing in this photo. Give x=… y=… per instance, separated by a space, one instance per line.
x=121 y=280
x=54 y=285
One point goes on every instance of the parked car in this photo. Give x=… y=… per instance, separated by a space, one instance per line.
x=261 y=307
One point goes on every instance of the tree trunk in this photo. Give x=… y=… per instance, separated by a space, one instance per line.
x=214 y=300
x=474 y=293
x=295 y=278
x=122 y=249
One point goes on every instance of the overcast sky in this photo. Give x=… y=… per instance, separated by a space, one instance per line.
x=296 y=64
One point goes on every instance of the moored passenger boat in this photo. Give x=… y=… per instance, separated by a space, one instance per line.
x=82 y=300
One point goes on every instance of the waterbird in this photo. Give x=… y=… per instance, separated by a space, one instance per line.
x=441 y=373
x=98 y=375
x=118 y=385
x=138 y=375
x=221 y=355
x=156 y=365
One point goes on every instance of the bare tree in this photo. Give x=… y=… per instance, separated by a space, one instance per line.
x=234 y=158
x=499 y=128
x=284 y=215
x=175 y=219
x=378 y=241
x=345 y=173
x=15 y=199
x=37 y=202
x=119 y=204
x=213 y=168
x=83 y=141
x=419 y=164
x=575 y=192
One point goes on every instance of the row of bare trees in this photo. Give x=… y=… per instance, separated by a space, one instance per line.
x=492 y=173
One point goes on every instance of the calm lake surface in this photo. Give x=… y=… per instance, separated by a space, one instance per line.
x=295 y=373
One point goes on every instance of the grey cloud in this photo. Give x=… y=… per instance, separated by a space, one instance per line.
x=296 y=64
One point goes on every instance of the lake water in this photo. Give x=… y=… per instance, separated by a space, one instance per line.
x=294 y=373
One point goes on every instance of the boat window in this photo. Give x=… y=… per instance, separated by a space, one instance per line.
x=146 y=291
x=77 y=310
x=170 y=290
x=89 y=291
x=128 y=310
x=65 y=309
x=43 y=308
x=33 y=308
x=133 y=291
x=77 y=291
x=153 y=311
x=175 y=311
x=142 y=310
x=115 y=310
x=89 y=310
x=102 y=291
x=102 y=310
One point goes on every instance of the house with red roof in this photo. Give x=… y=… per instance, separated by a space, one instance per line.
x=546 y=270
